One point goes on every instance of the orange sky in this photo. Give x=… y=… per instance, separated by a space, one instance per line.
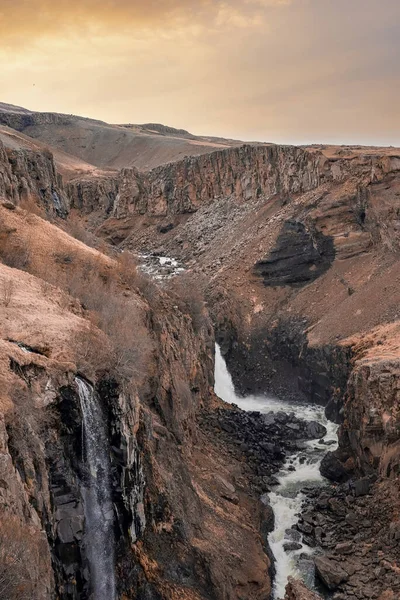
x=275 y=70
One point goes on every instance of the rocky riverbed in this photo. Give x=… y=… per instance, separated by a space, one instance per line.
x=355 y=528
x=264 y=441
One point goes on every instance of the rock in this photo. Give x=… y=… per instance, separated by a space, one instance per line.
x=293 y=534
x=9 y=205
x=228 y=491
x=362 y=487
x=330 y=572
x=315 y=430
x=297 y=590
x=291 y=546
x=165 y=228
x=305 y=527
x=344 y=548
x=333 y=411
x=299 y=256
x=332 y=468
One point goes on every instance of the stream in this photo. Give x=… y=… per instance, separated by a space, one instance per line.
x=299 y=471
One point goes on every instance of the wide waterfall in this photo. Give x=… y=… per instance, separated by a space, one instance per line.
x=299 y=471
x=99 y=515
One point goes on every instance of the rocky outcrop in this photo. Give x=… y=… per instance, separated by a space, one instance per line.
x=31 y=175
x=20 y=120
x=372 y=419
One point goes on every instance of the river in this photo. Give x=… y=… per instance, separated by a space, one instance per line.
x=299 y=471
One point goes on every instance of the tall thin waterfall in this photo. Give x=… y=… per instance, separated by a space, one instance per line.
x=99 y=515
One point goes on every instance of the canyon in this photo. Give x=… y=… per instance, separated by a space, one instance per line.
x=289 y=263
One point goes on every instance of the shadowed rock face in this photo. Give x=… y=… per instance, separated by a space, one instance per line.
x=300 y=256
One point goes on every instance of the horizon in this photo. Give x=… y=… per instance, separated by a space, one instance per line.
x=210 y=135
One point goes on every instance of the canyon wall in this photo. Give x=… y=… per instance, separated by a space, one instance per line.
x=26 y=174
x=370 y=433
x=172 y=481
x=244 y=173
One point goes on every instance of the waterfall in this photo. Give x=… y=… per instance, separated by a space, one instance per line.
x=299 y=471
x=97 y=497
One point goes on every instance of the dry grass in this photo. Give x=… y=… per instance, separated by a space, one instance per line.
x=19 y=557
x=106 y=291
x=26 y=422
x=119 y=316
x=29 y=205
x=75 y=228
x=14 y=252
x=7 y=291
x=189 y=290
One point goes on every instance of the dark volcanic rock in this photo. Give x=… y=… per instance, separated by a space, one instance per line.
x=315 y=430
x=300 y=256
x=332 y=468
x=290 y=546
x=265 y=440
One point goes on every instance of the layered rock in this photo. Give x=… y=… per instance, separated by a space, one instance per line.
x=244 y=173
x=300 y=256
x=26 y=174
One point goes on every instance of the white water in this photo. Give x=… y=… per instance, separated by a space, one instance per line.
x=99 y=514
x=160 y=267
x=286 y=499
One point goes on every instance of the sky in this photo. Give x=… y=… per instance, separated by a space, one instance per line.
x=288 y=71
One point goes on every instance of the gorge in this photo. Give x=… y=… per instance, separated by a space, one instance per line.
x=291 y=555
x=138 y=307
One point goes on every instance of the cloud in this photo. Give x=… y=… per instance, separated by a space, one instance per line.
x=291 y=71
x=22 y=22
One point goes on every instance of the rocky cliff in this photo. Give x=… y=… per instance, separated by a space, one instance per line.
x=245 y=173
x=29 y=175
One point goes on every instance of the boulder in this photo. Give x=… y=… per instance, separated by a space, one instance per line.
x=332 y=468
x=362 y=486
x=291 y=546
x=330 y=572
x=344 y=548
x=9 y=205
x=315 y=430
x=293 y=535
